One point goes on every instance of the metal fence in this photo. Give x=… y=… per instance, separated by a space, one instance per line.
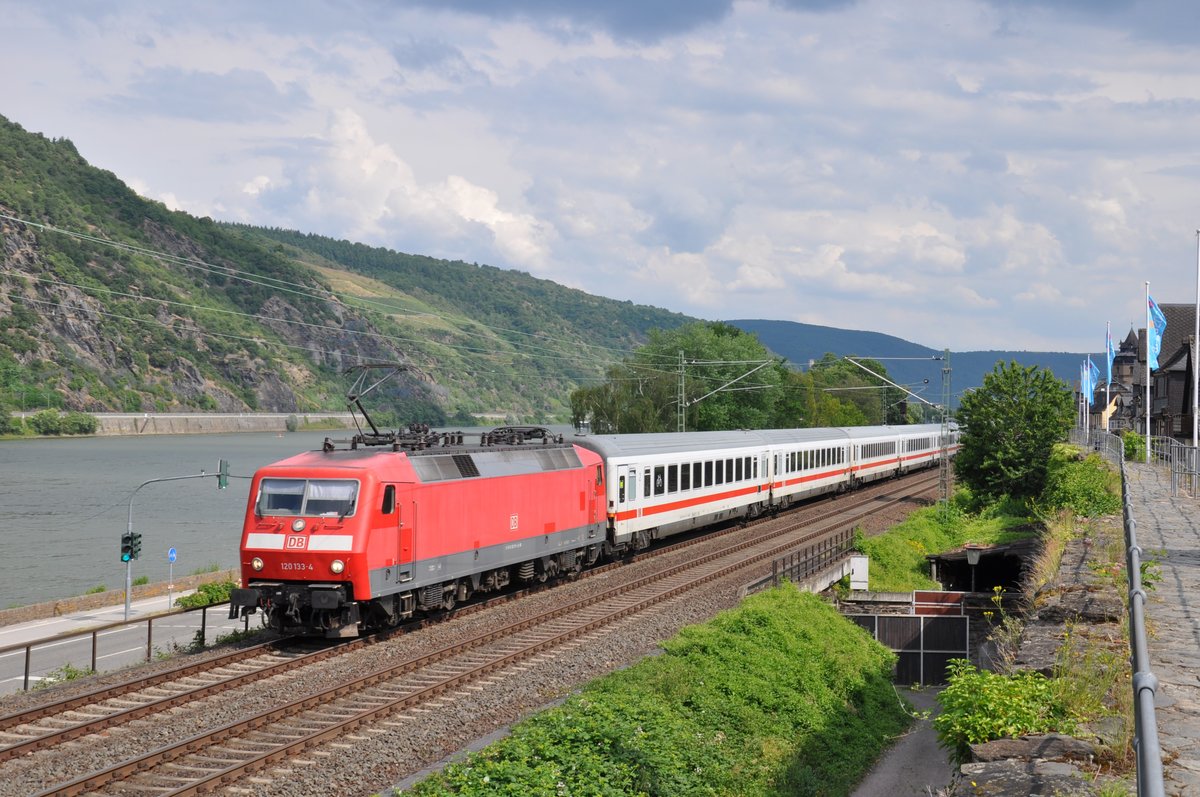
x=1145 y=684
x=115 y=645
x=1181 y=459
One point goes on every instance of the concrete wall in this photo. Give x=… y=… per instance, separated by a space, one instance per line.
x=206 y=423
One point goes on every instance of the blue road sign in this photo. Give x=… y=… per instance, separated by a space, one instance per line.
x=170 y=554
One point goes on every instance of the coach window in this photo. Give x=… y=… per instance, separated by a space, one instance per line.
x=697 y=475
x=672 y=478
x=685 y=476
x=660 y=484
x=621 y=490
x=646 y=487
x=708 y=476
x=729 y=470
x=720 y=470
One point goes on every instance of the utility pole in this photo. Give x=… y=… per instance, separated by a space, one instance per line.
x=944 y=472
x=680 y=405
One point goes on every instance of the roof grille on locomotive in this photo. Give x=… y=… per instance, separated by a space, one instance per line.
x=418 y=436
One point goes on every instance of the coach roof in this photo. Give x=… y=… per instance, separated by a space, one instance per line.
x=631 y=445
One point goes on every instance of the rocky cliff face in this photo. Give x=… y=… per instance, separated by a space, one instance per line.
x=110 y=331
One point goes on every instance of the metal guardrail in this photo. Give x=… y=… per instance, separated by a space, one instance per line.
x=201 y=634
x=1145 y=683
x=1181 y=459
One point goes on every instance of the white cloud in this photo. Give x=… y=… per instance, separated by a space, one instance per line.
x=962 y=165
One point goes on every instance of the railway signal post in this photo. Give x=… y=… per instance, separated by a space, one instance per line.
x=131 y=544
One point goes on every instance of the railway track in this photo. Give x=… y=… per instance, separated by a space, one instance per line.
x=388 y=697
x=53 y=723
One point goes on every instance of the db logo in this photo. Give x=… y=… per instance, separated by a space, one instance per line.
x=295 y=542
x=512 y=522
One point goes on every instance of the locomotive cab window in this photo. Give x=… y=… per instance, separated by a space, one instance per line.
x=313 y=497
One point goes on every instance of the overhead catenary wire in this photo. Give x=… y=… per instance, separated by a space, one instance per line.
x=290 y=288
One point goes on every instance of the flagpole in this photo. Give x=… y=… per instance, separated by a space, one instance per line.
x=1195 y=344
x=1108 y=358
x=1147 y=372
x=1087 y=404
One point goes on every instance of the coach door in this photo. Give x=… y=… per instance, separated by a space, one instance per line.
x=406 y=520
x=625 y=490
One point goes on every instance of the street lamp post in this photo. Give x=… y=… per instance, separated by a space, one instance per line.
x=972 y=560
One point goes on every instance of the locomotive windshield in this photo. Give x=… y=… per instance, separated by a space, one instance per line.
x=313 y=497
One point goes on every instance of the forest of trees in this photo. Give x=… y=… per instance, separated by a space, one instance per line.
x=731 y=381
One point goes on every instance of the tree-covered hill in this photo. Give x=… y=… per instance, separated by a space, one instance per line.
x=504 y=328
x=908 y=363
x=109 y=301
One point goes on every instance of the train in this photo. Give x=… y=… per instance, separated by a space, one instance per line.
x=368 y=532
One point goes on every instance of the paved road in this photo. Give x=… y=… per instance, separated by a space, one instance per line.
x=66 y=641
x=914 y=766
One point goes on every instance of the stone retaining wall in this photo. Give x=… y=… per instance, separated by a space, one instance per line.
x=113 y=597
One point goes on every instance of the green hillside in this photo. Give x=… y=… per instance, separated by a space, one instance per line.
x=111 y=302
x=911 y=364
x=487 y=334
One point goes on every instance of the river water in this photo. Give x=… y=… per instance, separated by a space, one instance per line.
x=65 y=504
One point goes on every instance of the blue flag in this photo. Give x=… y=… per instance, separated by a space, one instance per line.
x=1111 y=354
x=1093 y=376
x=1154 y=335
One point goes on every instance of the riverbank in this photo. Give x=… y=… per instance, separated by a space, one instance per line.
x=113 y=597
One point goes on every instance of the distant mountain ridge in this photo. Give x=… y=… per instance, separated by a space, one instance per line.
x=800 y=343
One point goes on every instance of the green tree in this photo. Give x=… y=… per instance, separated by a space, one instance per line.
x=729 y=383
x=1011 y=425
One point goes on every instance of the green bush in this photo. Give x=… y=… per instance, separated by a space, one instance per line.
x=1135 y=446
x=79 y=423
x=1085 y=485
x=10 y=424
x=46 y=422
x=207 y=594
x=779 y=696
x=978 y=706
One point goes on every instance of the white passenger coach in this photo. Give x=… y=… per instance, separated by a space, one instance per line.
x=664 y=484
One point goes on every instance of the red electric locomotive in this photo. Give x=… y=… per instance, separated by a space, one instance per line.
x=389 y=525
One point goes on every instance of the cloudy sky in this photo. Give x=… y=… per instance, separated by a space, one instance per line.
x=971 y=175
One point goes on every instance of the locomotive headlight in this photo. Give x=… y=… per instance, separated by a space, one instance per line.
x=298 y=524
x=337 y=565
x=256 y=563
